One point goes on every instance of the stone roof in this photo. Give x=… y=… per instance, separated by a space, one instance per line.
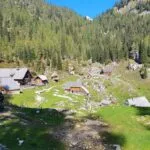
x=55 y=74
x=138 y=102
x=77 y=83
x=94 y=71
x=15 y=73
x=42 y=77
x=9 y=84
x=108 y=69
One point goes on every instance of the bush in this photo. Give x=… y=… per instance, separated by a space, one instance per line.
x=143 y=73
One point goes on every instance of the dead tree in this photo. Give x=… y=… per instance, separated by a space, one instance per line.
x=1 y=102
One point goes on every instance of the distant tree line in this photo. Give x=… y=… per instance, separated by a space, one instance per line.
x=41 y=35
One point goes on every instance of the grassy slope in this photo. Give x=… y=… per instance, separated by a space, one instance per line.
x=124 y=121
x=36 y=134
x=127 y=125
x=27 y=98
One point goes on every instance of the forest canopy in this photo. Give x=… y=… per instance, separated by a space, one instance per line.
x=37 y=34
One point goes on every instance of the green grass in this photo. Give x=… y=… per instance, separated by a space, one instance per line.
x=36 y=134
x=25 y=99
x=124 y=122
x=127 y=126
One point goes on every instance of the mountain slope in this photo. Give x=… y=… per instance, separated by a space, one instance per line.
x=116 y=34
x=32 y=31
x=41 y=35
x=133 y=6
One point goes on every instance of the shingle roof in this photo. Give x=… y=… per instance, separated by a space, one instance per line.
x=9 y=84
x=138 y=102
x=42 y=77
x=20 y=73
x=73 y=84
x=5 y=73
x=94 y=71
x=54 y=75
x=15 y=73
x=108 y=69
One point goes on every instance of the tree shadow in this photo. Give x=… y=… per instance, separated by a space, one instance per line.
x=113 y=138
x=143 y=112
x=51 y=129
x=108 y=138
x=36 y=127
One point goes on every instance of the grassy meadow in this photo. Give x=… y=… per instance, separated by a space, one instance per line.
x=129 y=127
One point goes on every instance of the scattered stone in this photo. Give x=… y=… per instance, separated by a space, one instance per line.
x=117 y=147
x=113 y=147
x=39 y=98
x=93 y=122
x=38 y=111
x=20 y=142
x=3 y=147
x=69 y=117
x=23 y=123
x=69 y=112
x=60 y=104
x=105 y=102
x=82 y=135
x=7 y=128
x=50 y=110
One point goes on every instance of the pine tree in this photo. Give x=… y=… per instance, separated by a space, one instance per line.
x=142 y=53
x=143 y=73
x=1 y=24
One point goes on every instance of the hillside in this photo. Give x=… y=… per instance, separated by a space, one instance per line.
x=41 y=36
x=49 y=117
x=141 y=7
x=84 y=79
x=116 y=34
x=34 y=32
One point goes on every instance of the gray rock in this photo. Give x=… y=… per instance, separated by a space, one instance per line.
x=3 y=147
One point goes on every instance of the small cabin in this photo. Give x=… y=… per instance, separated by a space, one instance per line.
x=55 y=77
x=9 y=86
x=40 y=80
x=76 y=87
x=94 y=72
x=107 y=70
x=138 y=102
x=21 y=75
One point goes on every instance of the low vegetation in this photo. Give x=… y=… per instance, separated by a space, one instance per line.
x=44 y=38
x=38 y=117
x=65 y=35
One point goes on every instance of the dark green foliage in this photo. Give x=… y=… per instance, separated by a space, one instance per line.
x=143 y=73
x=1 y=102
x=41 y=35
x=121 y=3
x=143 y=53
x=143 y=6
x=1 y=24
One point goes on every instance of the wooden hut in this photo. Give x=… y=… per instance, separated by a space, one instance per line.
x=21 y=75
x=55 y=76
x=40 y=80
x=9 y=86
x=76 y=87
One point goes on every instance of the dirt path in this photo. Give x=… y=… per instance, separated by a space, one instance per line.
x=80 y=135
x=44 y=90
x=63 y=96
